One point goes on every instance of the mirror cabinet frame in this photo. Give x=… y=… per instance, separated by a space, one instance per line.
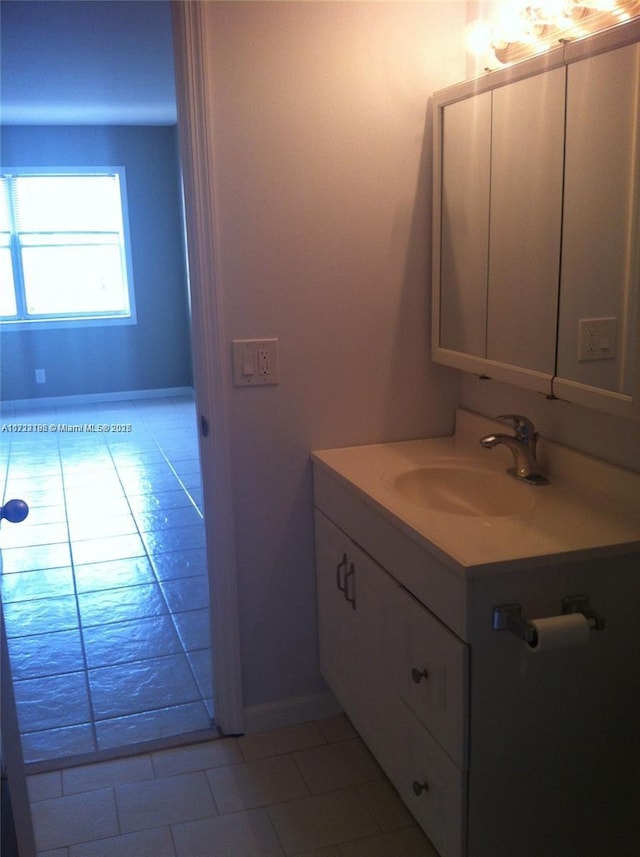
x=518 y=201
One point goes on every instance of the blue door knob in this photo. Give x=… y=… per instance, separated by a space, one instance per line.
x=14 y=511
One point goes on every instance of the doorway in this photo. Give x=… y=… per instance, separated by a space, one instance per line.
x=105 y=584
x=106 y=610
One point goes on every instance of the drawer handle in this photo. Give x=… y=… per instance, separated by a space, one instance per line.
x=417 y=675
x=339 y=568
x=350 y=575
x=419 y=787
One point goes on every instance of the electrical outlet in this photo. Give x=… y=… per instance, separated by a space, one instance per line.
x=254 y=362
x=41 y=376
x=264 y=361
x=597 y=338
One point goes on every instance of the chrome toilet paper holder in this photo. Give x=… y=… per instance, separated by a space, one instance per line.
x=508 y=617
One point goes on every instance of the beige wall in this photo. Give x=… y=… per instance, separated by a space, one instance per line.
x=322 y=194
x=322 y=159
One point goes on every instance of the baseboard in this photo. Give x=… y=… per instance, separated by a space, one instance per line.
x=97 y=398
x=290 y=712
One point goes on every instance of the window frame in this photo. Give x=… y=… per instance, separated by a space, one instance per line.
x=67 y=319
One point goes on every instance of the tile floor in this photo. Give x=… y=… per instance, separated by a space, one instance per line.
x=310 y=790
x=104 y=585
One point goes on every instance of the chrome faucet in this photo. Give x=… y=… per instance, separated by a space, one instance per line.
x=522 y=446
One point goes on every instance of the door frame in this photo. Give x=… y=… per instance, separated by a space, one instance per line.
x=12 y=757
x=193 y=76
x=192 y=93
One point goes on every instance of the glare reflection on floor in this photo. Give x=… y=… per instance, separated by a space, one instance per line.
x=104 y=585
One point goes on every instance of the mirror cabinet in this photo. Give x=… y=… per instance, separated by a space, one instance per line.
x=536 y=241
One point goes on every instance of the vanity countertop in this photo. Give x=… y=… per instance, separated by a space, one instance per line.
x=589 y=509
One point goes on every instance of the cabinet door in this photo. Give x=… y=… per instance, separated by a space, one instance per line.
x=526 y=210
x=497 y=222
x=335 y=619
x=464 y=224
x=355 y=598
x=600 y=228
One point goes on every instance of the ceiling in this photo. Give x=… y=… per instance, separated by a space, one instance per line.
x=86 y=62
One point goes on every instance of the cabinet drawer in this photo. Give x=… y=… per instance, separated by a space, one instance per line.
x=433 y=788
x=431 y=674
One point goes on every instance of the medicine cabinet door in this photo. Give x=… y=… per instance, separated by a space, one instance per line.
x=464 y=212
x=497 y=232
x=525 y=223
x=598 y=327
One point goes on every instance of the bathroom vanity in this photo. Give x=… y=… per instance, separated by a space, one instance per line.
x=497 y=747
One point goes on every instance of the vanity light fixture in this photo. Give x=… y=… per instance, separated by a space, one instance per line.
x=523 y=29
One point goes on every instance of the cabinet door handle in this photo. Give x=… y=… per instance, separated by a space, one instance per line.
x=419 y=787
x=339 y=568
x=417 y=675
x=350 y=575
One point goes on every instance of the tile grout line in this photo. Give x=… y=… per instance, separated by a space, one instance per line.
x=110 y=448
x=92 y=713
x=263 y=808
x=187 y=492
x=170 y=611
x=50 y=455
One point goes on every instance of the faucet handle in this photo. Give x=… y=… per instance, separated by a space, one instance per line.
x=523 y=427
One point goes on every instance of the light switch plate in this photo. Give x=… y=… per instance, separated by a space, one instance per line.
x=255 y=362
x=597 y=338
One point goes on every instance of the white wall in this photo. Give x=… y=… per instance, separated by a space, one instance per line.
x=322 y=192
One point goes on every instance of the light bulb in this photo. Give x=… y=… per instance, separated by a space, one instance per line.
x=521 y=28
x=478 y=37
x=512 y=25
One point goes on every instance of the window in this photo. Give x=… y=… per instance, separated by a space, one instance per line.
x=64 y=255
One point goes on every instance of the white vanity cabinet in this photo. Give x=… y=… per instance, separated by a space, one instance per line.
x=495 y=748
x=402 y=678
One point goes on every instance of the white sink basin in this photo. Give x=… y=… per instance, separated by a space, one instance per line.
x=459 y=500
x=464 y=491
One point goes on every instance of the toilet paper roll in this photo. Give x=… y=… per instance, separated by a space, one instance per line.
x=560 y=632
